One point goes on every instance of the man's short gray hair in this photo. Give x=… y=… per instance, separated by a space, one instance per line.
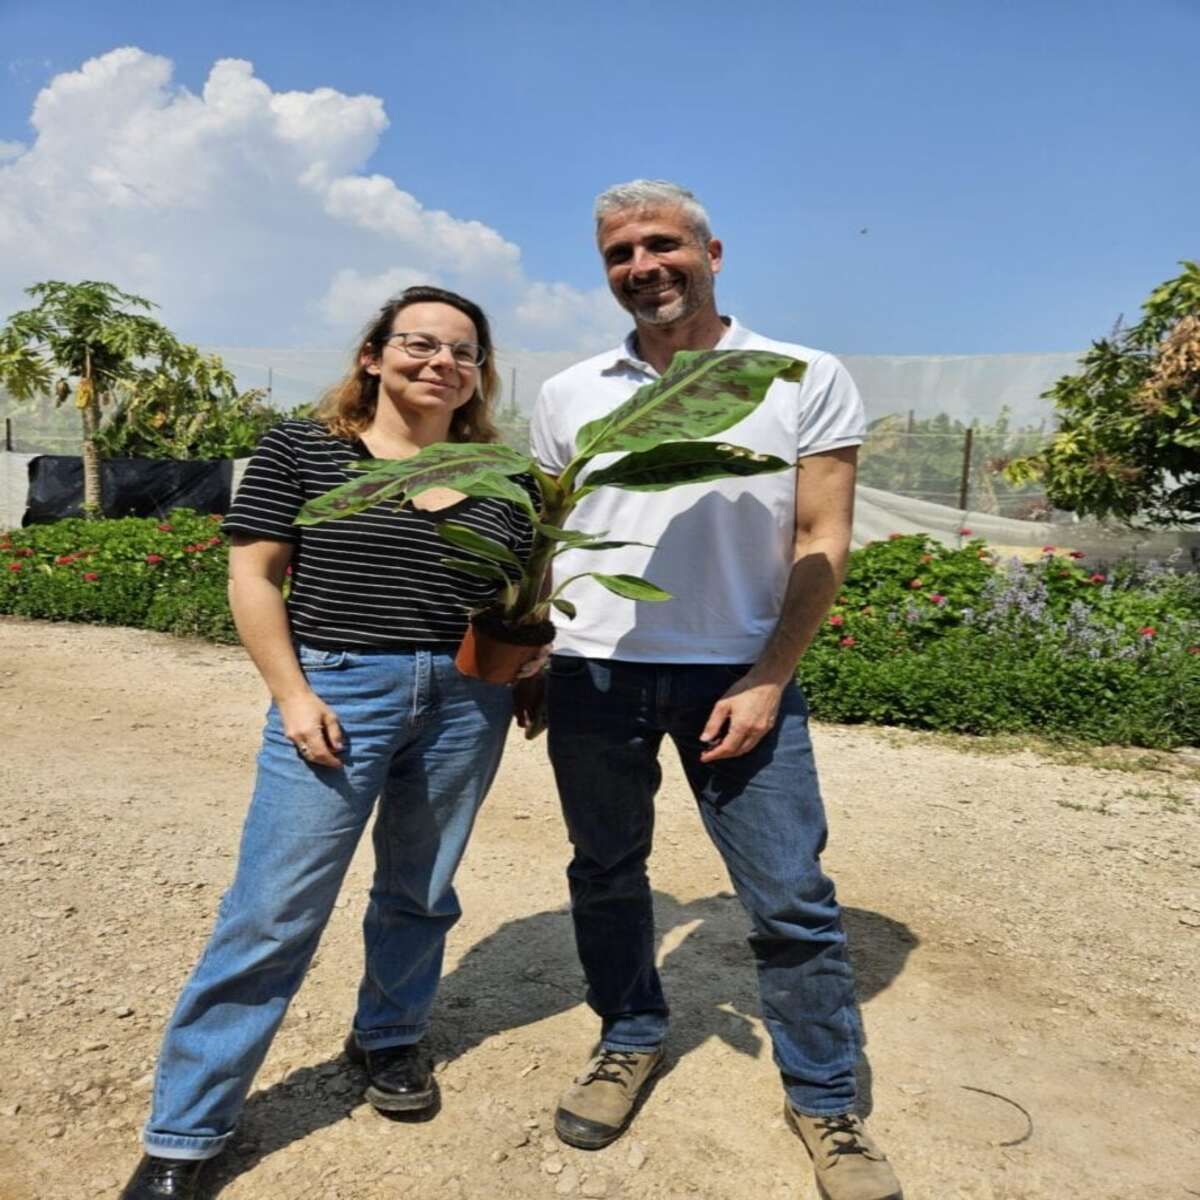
x=653 y=193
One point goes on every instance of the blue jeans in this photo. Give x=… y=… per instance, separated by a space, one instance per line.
x=423 y=740
x=763 y=812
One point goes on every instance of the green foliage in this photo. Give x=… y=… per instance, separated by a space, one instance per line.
x=1038 y=648
x=79 y=331
x=1128 y=444
x=188 y=407
x=166 y=575
x=94 y=342
x=972 y=680
x=947 y=639
x=700 y=394
x=923 y=458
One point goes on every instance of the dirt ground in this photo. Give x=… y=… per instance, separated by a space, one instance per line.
x=1026 y=930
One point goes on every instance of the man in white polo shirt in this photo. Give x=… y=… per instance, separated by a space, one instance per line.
x=753 y=565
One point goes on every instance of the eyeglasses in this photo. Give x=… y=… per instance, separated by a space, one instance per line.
x=425 y=345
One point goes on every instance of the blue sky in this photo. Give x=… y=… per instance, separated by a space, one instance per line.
x=918 y=178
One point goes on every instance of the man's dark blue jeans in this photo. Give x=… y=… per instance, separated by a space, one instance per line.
x=763 y=812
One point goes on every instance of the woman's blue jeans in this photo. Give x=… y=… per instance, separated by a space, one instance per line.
x=763 y=812
x=423 y=740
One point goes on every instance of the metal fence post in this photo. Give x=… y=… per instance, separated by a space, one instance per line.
x=965 y=481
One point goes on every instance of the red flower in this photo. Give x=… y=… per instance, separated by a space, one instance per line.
x=1047 y=549
x=90 y=576
x=1097 y=578
x=289 y=569
x=64 y=560
x=165 y=527
x=1076 y=554
x=836 y=619
x=937 y=598
x=214 y=541
x=926 y=558
x=191 y=548
x=966 y=532
x=15 y=566
x=153 y=558
x=24 y=552
x=847 y=641
x=916 y=583
x=1148 y=631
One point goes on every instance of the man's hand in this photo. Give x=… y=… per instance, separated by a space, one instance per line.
x=312 y=726
x=529 y=704
x=741 y=718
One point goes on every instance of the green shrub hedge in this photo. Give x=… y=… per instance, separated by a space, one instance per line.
x=955 y=640
x=920 y=635
x=167 y=575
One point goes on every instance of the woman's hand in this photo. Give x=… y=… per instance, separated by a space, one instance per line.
x=534 y=666
x=257 y=567
x=312 y=726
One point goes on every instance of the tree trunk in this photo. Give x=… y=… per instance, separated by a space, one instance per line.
x=89 y=411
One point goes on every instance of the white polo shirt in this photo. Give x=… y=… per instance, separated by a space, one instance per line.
x=722 y=549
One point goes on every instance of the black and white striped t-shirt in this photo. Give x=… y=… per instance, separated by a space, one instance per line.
x=374 y=579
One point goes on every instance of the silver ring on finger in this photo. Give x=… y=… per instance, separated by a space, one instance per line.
x=302 y=748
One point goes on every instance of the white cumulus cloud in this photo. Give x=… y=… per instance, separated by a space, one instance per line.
x=249 y=214
x=353 y=297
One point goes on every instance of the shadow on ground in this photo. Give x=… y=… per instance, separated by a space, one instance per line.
x=527 y=971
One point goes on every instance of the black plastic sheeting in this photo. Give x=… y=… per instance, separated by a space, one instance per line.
x=132 y=487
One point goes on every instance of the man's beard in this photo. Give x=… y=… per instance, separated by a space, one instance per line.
x=694 y=292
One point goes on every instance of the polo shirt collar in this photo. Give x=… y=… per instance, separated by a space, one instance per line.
x=626 y=354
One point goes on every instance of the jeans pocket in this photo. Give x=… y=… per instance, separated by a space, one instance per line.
x=312 y=658
x=564 y=666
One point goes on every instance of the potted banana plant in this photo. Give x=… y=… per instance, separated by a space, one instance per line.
x=702 y=393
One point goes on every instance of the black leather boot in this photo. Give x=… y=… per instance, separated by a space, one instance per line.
x=399 y=1078
x=164 y=1179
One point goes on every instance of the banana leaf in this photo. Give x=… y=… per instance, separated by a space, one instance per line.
x=477 y=543
x=631 y=587
x=481 y=570
x=557 y=534
x=701 y=393
x=468 y=467
x=675 y=463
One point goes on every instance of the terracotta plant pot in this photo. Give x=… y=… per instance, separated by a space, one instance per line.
x=494 y=651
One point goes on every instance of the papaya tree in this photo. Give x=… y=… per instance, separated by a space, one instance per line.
x=1128 y=440
x=85 y=341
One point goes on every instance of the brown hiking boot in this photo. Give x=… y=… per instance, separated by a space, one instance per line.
x=847 y=1164
x=596 y=1108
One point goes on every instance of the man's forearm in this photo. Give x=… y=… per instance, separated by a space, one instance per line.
x=816 y=575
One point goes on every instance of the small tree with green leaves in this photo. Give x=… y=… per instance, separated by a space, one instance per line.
x=94 y=342
x=188 y=407
x=1128 y=442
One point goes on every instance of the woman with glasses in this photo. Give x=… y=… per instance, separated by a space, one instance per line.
x=367 y=708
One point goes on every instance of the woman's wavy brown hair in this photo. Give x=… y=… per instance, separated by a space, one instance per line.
x=349 y=406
